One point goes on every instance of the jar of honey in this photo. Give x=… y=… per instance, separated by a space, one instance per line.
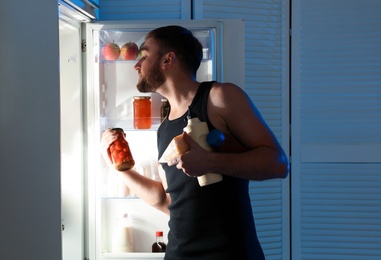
x=142 y=112
x=120 y=152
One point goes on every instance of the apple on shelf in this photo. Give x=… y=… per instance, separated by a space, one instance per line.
x=111 y=51
x=129 y=51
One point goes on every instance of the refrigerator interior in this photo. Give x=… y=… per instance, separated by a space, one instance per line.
x=117 y=87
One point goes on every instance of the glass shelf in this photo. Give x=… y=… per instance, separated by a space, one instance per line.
x=120 y=198
x=128 y=124
x=133 y=256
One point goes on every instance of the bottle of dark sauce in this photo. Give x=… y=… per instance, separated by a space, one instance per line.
x=164 y=110
x=159 y=245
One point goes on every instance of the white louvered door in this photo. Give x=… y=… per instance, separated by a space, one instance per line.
x=266 y=82
x=336 y=129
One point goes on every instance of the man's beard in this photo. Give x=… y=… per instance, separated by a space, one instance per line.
x=152 y=81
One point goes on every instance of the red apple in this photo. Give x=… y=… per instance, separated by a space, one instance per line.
x=129 y=51
x=111 y=51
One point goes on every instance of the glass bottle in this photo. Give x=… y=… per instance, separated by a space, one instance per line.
x=120 y=152
x=164 y=108
x=159 y=245
x=142 y=112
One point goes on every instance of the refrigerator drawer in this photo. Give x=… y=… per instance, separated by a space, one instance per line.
x=133 y=256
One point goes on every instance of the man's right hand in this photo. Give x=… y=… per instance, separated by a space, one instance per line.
x=108 y=137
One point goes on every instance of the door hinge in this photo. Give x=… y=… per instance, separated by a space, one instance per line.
x=83 y=45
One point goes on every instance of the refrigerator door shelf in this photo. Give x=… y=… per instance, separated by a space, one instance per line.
x=133 y=256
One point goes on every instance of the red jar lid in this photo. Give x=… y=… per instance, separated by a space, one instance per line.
x=142 y=97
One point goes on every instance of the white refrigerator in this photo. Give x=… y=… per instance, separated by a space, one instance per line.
x=97 y=94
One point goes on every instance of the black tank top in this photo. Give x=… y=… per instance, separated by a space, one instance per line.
x=213 y=222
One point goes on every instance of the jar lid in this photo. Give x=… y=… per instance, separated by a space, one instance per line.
x=142 y=97
x=117 y=129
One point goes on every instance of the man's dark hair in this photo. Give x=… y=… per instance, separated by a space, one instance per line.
x=181 y=41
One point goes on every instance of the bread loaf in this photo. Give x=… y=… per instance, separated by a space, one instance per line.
x=175 y=148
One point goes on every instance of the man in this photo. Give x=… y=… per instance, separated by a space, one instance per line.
x=214 y=221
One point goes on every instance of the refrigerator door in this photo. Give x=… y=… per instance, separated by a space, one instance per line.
x=72 y=142
x=110 y=88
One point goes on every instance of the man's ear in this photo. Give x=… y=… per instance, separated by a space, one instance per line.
x=169 y=58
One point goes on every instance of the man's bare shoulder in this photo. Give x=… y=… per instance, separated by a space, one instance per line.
x=224 y=85
x=226 y=91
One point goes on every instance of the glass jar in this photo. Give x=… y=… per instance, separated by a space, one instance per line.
x=120 y=152
x=164 y=108
x=142 y=112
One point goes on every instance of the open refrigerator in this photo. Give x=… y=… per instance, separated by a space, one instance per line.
x=97 y=94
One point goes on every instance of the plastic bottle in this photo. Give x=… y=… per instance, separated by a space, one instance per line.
x=198 y=131
x=221 y=142
x=122 y=240
x=159 y=245
x=215 y=138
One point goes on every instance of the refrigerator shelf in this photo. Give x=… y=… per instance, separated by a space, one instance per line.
x=120 y=198
x=119 y=60
x=128 y=124
x=133 y=256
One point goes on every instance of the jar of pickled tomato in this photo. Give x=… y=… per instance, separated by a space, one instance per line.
x=142 y=112
x=120 y=152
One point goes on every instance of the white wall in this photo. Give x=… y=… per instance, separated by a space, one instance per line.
x=29 y=131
